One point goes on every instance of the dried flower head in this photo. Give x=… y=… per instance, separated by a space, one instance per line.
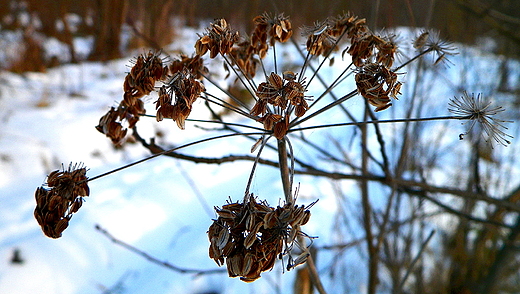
x=248 y=237
x=219 y=38
x=476 y=110
x=111 y=124
x=386 y=50
x=55 y=206
x=377 y=84
x=349 y=24
x=284 y=94
x=186 y=90
x=195 y=65
x=140 y=81
x=278 y=28
x=430 y=41
x=243 y=56
x=320 y=40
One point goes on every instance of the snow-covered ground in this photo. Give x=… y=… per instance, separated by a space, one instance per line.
x=48 y=119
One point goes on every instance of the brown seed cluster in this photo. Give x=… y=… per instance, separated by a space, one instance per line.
x=376 y=83
x=284 y=95
x=140 y=81
x=111 y=124
x=243 y=55
x=372 y=54
x=219 y=38
x=278 y=28
x=249 y=237
x=322 y=38
x=367 y=46
x=186 y=90
x=195 y=65
x=55 y=206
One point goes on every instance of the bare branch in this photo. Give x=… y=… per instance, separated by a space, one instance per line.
x=157 y=261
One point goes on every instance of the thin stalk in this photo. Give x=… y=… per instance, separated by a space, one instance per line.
x=367 y=213
x=215 y=122
x=325 y=108
x=250 y=180
x=327 y=55
x=412 y=59
x=168 y=151
x=361 y=123
x=227 y=92
x=224 y=104
x=251 y=87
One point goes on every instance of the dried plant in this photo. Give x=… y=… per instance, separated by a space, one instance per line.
x=475 y=110
x=248 y=236
x=55 y=206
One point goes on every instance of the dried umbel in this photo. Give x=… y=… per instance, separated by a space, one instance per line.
x=186 y=90
x=477 y=110
x=323 y=37
x=111 y=124
x=430 y=42
x=278 y=28
x=248 y=237
x=63 y=197
x=284 y=95
x=243 y=56
x=377 y=84
x=219 y=38
x=195 y=65
x=140 y=81
x=320 y=40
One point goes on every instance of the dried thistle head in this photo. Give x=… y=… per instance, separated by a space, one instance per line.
x=248 y=237
x=55 y=206
x=476 y=110
x=218 y=39
x=377 y=84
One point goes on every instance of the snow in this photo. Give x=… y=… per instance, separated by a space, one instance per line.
x=48 y=119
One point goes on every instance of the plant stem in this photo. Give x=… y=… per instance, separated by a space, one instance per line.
x=284 y=170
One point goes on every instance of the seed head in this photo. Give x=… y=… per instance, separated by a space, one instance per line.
x=248 y=237
x=55 y=206
x=218 y=39
x=476 y=110
x=377 y=84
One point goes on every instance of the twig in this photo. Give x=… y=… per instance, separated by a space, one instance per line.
x=155 y=260
x=409 y=270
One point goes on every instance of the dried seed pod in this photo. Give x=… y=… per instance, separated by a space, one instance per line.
x=222 y=239
x=275 y=81
x=421 y=40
